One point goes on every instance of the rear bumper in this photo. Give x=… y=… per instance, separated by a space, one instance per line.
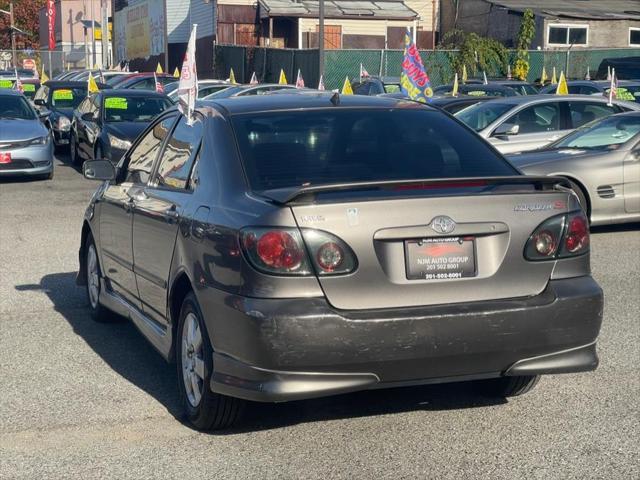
x=280 y=350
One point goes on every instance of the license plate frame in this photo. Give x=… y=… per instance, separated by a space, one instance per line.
x=447 y=258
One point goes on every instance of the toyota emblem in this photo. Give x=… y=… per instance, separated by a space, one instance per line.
x=443 y=224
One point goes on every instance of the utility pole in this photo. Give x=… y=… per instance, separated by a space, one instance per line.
x=105 y=35
x=93 y=35
x=321 y=38
x=13 y=36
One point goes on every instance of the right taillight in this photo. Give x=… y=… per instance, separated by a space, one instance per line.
x=561 y=236
x=330 y=255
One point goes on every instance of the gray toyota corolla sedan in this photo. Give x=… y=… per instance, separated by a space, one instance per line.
x=285 y=247
x=602 y=162
x=26 y=147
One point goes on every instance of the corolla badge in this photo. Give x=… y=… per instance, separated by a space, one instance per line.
x=443 y=224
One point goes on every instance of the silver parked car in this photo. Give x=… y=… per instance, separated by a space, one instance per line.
x=284 y=247
x=602 y=161
x=517 y=124
x=26 y=147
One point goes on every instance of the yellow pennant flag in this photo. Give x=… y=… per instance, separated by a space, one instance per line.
x=554 y=79
x=346 y=87
x=159 y=68
x=562 y=88
x=43 y=77
x=283 y=79
x=464 y=74
x=92 y=86
x=543 y=76
x=454 y=90
x=232 y=78
x=176 y=73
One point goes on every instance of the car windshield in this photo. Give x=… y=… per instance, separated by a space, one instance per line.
x=226 y=92
x=290 y=149
x=15 y=107
x=481 y=115
x=630 y=93
x=114 y=79
x=67 y=97
x=609 y=133
x=133 y=109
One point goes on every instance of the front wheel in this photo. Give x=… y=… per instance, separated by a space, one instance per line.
x=205 y=409
x=92 y=265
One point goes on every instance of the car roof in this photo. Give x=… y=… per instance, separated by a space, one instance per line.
x=9 y=92
x=128 y=92
x=311 y=100
x=521 y=99
x=65 y=83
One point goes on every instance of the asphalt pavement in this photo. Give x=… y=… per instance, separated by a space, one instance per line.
x=86 y=400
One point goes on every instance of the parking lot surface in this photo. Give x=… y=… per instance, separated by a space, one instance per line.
x=85 y=400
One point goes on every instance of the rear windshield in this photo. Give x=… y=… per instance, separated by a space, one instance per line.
x=133 y=109
x=290 y=149
x=67 y=97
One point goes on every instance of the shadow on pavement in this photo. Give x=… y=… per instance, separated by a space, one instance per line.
x=622 y=227
x=126 y=351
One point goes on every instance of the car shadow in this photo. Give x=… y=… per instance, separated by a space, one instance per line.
x=125 y=350
x=621 y=227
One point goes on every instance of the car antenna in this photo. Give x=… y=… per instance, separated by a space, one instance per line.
x=335 y=99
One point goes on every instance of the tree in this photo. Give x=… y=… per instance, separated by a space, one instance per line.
x=525 y=36
x=26 y=13
x=478 y=54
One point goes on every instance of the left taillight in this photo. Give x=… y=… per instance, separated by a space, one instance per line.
x=285 y=251
x=561 y=236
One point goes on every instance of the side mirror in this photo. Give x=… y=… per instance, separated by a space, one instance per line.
x=44 y=114
x=507 y=129
x=39 y=102
x=88 y=117
x=98 y=170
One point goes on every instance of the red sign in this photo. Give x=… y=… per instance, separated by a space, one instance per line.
x=29 y=64
x=5 y=157
x=51 y=14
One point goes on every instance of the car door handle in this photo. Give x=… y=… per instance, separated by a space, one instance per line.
x=137 y=196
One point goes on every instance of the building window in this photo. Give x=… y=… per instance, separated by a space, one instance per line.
x=634 y=37
x=566 y=35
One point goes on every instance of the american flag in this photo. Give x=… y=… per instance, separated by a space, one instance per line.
x=363 y=72
x=159 y=86
x=613 y=89
x=18 y=85
x=299 y=80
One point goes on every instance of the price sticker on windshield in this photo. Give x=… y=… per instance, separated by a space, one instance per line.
x=63 y=94
x=477 y=93
x=623 y=94
x=29 y=87
x=115 y=103
x=6 y=83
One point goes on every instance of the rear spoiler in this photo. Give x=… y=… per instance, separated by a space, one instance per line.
x=308 y=193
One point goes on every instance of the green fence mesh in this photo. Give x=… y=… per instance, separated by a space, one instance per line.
x=267 y=62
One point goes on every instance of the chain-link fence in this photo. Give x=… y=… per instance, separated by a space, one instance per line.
x=54 y=61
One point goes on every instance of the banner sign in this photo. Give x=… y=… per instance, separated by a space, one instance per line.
x=414 y=80
x=139 y=29
x=51 y=14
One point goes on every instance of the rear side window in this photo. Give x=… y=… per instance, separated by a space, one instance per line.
x=142 y=157
x=585 y=112
x=179 y=155
x=544 y=117
x=289 y=149
x=481 y=115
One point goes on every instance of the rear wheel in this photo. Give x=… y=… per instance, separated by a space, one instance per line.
x=205 y=409
x=508 y=386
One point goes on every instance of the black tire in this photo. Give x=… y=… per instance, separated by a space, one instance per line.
x=98 y=312
x=582 y=197
x=508 y=386
x=213 y=411
x=73 y=150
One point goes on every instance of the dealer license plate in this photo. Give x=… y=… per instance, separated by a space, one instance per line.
x=440 y=258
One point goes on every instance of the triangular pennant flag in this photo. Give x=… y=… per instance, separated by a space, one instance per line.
x=232 y=77
x=484 y=78
x=464 y=73
x=159 y=68
x=283 y=79
x=176 y=73
x=299 y=80
x=613 y=88
x=509 y=77
x=159 y=86
x=363 y=73
x=92 y=86
x=554 y=79
x=543 y=76
x=254 y=79
x=321 y=83
x=346 y=87
x=454 y=90
x=562 y=88
x=44 y=77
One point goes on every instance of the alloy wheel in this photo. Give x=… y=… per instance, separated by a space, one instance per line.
x=192 y=359
x=93 y=278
